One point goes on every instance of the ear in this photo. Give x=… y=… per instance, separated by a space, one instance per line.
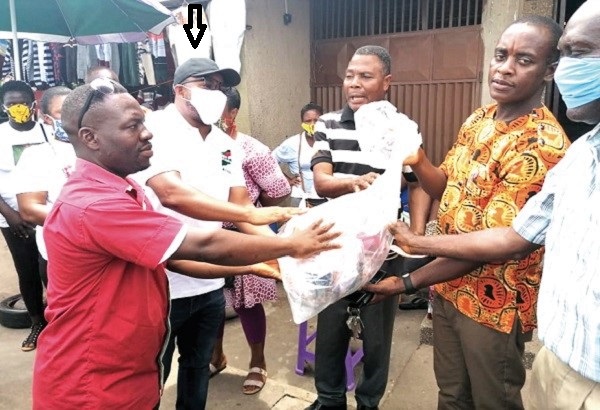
x=234 y=113
x=46 y=119
x=550 y=70
x=181 y=91
x=88 y=136
x=387 y=80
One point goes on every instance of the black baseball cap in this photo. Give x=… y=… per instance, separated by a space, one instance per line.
x=200 y=67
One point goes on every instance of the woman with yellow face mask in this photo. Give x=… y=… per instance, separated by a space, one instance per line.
x=296 y=152
x=20 y=132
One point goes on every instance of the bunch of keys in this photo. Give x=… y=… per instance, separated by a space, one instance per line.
x=354 y=322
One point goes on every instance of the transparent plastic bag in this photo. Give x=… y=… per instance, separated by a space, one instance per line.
x=313 y=284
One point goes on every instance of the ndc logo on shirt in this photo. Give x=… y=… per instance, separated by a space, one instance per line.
x=189 y=26
x=226 y=160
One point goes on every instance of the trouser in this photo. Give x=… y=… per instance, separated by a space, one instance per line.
x=195 y=322
x=555 y=385
x=476 y=367
x=24 y=253
x=333 y=337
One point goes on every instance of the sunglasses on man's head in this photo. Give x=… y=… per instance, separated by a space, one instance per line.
x=100 y=85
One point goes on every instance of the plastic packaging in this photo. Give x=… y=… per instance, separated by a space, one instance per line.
x=313 y=284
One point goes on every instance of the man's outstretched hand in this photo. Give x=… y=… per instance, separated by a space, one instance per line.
x=314 y=239
x=270 y=214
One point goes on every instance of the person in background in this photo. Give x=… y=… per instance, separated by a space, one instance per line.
x=20 y=132
x=108 y=296
x=100 y=72
x=44 y=169
x=296 y=152
x=267 y=186
x=483 y=317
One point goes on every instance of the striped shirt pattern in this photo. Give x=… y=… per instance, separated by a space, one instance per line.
x=337 y=143
x=565 y=216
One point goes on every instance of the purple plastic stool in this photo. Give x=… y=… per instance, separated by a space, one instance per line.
x=304 y=355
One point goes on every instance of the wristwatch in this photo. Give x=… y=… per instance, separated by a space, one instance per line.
x=409 y=288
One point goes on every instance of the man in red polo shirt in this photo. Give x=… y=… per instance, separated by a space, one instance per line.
x=108 y=292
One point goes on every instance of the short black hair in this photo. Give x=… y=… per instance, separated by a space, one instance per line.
x=553 y=28
x=311 y=106
x=75 y=102
x=233 y=98
x=379 y=52
x=16 y=86
x=49 y=96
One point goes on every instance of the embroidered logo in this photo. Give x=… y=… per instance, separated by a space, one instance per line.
x=226 y=159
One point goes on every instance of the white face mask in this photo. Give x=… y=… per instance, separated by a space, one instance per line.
x=208 y=103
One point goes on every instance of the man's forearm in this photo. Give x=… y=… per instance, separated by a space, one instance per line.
x=232 y=248
x=497 y=244
x=441 y=270
x=328 y=186
x=419 y=204
x=5 y=209
x=431 y=178
x=206 y=270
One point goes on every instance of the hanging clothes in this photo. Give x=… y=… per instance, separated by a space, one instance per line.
x=181 y=47
x=86 y=59
x=227 y=21
x=38 y=64
x=130 y=72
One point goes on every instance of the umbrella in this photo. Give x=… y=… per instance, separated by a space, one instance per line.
x=81 y=21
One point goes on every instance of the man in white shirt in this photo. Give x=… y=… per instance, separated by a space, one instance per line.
x=18 y=133
x=195 y=170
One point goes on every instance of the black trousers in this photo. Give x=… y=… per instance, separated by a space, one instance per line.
x=333 y=337
x=25 y=255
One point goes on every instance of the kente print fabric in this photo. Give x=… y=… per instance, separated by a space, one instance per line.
x=493 y=169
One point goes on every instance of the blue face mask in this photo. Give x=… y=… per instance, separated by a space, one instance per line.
x=578 y=80
x=59 y=132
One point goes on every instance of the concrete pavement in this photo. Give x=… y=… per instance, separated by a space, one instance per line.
x=411 y=380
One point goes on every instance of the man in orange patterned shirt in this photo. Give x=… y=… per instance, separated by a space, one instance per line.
x=484 y=313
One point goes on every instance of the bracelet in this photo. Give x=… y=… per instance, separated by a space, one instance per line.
x=409 y=288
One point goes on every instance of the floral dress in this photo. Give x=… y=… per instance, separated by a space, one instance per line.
x=262 y=174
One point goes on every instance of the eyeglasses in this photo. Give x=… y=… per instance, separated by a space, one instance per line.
x=100 y=85
x=209 y=83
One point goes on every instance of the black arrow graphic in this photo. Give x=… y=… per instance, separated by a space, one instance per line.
x=195 y=42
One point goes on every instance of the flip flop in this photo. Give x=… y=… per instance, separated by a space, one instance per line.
x=216 y=369
x=415 y=303
x=251 y=386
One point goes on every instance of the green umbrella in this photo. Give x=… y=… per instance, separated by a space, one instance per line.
x=81 y=21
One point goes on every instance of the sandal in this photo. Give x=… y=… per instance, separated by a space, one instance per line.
x=252 y=386
x=415 y=303
x=215 y=369
x=30 y=343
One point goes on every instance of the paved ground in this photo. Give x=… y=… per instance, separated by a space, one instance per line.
x=411 y=382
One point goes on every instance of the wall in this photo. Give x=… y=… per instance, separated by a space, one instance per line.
x=275 y=69
x=497 y=14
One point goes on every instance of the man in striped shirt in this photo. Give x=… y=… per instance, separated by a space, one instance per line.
x=340 y=167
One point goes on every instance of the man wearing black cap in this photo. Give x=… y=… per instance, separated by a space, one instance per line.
x=195 y=170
